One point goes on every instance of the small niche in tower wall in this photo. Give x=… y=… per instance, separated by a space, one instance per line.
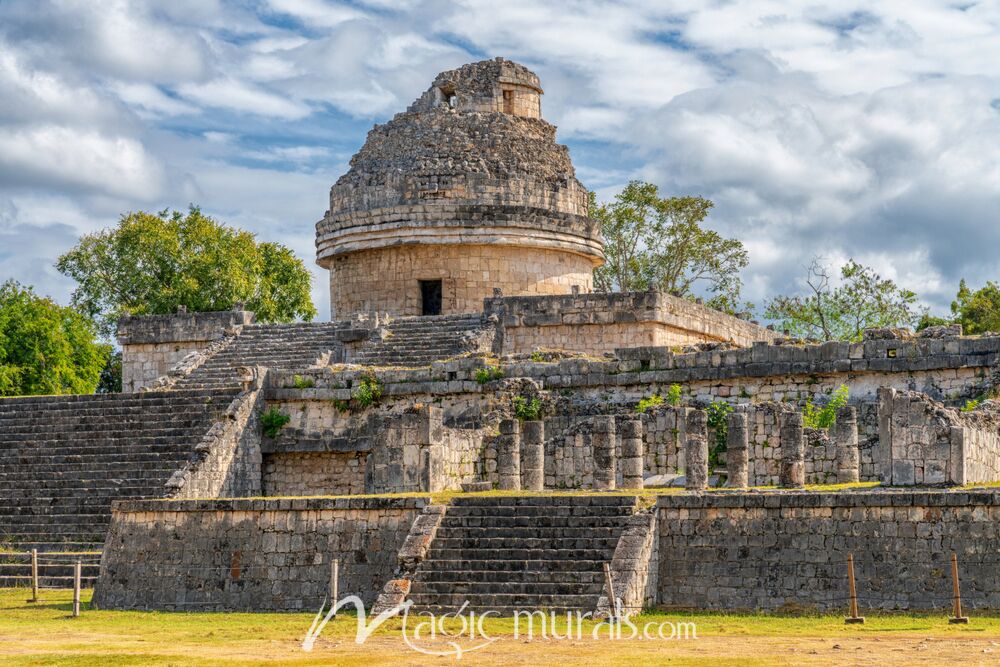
x=508 y=101
x=430 y=297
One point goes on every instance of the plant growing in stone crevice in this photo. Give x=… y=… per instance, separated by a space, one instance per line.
x=527 y=409
x=272 y=421
x=649 y=402
x=718 y=413
x=826 y=416
x=488 y=374
x=368 y=392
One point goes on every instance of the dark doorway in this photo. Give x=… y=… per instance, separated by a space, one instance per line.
x=430 y=296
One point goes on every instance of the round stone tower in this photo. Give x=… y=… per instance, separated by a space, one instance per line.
x=464 y=192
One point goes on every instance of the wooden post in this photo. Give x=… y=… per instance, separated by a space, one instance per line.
x=34 y=576
x=77 y=568
x=609 y=587
x=853 y=618
x=956 y=594
x=334 y=583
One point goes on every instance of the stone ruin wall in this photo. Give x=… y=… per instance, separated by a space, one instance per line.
x=788 y=551
x=582 y=388
x=153 y=344
x=599 y=323
x=569 y=461
x=923 y=442
x=403 y=448
x=388 y=279
x=314 y=473
x=250 y=555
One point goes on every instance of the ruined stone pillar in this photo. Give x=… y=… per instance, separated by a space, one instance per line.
x=509 y=455
x=696 y=451
x=793 y=451
x=632 y=453
x=737 y=447
x=845 y=435
x=602 y=441
x=533 y=456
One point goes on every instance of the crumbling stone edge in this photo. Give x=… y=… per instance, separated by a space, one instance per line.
x=223 y=461
x=411 y=554
x=633 y=567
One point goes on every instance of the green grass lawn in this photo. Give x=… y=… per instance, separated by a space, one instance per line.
x=45 y=634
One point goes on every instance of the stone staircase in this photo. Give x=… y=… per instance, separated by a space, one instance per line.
x=521 y=553
x=64 y=459
x=417 y=341
x=278 y=346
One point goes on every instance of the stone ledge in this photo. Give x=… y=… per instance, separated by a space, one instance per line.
x=808 y=499
x=270 y=504
x=180 y=327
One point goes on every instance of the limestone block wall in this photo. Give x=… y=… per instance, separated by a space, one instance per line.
x=388 y=280
x=250 y=555
x=788 y=551
x=415 y=452
x=152 y=344
x=600 y=323
x=923 y=442
x=314 y=473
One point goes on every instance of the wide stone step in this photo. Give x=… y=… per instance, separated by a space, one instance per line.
x=518 y=554
x=484 y=588
x=572 y=576
x=478 y=532
x=524 y=543
x=504 y=602
x=531 y=522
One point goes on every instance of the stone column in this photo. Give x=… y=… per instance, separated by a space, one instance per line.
x=793 y=451
x=602 y=441
x=509 y=455
x=533 y=456
x=737 y=447
x=632 y=453
x=845 y=435
x=696 y=451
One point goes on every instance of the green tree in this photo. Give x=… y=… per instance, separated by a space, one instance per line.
x=151 y=264
x=46 y=348
x=650 y=241
x=861 y=300
x=977 y=311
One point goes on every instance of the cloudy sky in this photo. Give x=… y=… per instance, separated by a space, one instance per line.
x=846 y=129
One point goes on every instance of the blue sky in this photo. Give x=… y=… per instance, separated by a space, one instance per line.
x=846 y=129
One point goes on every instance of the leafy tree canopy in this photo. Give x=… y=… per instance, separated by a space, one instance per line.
x=151 y=264
x=861 y=300
x=650 y=241
x=46 y=348
x=977 y=311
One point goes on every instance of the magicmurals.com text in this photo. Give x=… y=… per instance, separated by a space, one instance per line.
x=462 y=631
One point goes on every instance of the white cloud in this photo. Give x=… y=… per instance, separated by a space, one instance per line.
x=848 y=129
x=150 y=101
x=70 y=158
x=226 y=93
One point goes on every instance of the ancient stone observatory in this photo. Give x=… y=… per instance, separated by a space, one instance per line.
x=463 y=193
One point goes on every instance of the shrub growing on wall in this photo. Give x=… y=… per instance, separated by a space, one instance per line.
x=826 y=416
x=272 y=421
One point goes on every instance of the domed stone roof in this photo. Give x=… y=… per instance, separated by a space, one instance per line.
x=470 y=161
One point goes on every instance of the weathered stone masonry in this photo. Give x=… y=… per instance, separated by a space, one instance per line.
x=774 y=551
x=253 y=555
